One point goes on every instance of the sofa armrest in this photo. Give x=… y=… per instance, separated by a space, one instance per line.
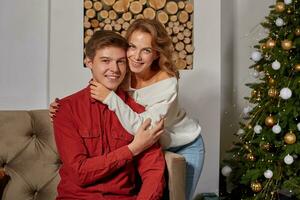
x=176 y=167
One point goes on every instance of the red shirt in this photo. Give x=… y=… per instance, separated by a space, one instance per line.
x=96 y=161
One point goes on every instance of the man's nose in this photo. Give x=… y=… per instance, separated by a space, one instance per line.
x=115 y=66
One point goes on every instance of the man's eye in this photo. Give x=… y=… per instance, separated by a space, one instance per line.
x=105 y=61
x=122 y=62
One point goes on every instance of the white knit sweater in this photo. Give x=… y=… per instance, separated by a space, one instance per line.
x=160 y=100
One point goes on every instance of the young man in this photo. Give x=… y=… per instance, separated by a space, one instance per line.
x=100 y=160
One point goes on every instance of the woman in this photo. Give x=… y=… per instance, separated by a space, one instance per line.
x=153 y=84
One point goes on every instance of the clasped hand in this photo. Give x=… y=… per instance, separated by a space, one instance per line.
x=98 y=91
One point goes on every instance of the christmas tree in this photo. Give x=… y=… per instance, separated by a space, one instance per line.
x=265 y=162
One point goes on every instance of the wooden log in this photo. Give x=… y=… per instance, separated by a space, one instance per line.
x=123 y=33
x=180 y=5
x=121 y=6
x=101 y=24
x=176 y=23
x=97 y=29
x=182 y=54
x=108 y=2
x=88 y=4
x=125 y=25
x=157 y=4
x=171 y=24
x=112 y=15
x=162 y=17
x=189 y=48
x=89 y=32
x=107 y=27
x=187 y=33
x=183 y=17
x=173 y=18
x=187 y=40
x=149 y=13
x=189 y=7
x=181 y=27
x=189 y=59
x=179 y=46
x=90 y=13
x=189 y=25
x=97 y=6
x=180 y=63
x=189 y=67
x=86 y=39
x=180 y=36
x=175 y=29
x=136 y=7
x=107 y=21
x=117 y=27
x=143 y=2
x=87 y=24
x=171 y=7
x=85 y=19
x=113 y=23
x=120 y=21
x=95 y=23
x=174 y=39
x=102 y=15
x=169 y=30
x=139 y=16
x=127 y=16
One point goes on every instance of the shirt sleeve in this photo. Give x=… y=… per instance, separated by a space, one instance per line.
x=132 y=120
x=151 y=167
x=74 y=155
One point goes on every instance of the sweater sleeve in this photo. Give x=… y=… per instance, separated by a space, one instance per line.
x=74 y=155
x=131 y=120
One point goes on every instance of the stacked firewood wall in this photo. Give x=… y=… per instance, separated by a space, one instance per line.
x=117 y=15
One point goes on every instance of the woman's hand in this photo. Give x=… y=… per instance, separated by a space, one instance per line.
x=53 y=108
x=145 y=137
x=98 y=91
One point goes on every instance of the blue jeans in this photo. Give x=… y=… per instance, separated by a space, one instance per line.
x=194 y=157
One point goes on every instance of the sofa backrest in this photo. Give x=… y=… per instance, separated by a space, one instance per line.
x=28 y=155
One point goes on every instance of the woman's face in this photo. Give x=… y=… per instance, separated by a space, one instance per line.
x=140 y=53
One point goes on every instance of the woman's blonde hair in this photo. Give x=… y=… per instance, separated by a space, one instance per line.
x=161 y=43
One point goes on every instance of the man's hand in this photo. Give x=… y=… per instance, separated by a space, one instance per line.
x=98 y=91
x=145 y=137
x=53 y=108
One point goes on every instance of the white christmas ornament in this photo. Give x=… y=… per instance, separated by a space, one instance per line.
x=226 y=170
x=287 y=2
x=255 y=74
x=255 y=56
x=276 y=129
x=298 y=126
x=257 y=129
x=240 y=132
x=246 y=111
x=285 y=93
x=288 y=159
x=276 y=65
x=279 y=22
x=262 y=74
x=268 y=174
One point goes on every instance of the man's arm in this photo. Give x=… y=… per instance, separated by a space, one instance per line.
x=151 y=167
x=73 y=153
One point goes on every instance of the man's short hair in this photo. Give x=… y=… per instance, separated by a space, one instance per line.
x=102 y=39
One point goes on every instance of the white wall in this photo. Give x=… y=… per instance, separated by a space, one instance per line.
x=199 y=88
x=23 y=54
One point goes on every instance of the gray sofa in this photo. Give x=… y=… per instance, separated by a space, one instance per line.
x=30 y=162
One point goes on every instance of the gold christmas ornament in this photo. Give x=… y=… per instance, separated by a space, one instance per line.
x=263 y=47
x=297 y=67
x=272 y=92
x=258 y=68
x=279 y=7
x=271 y=43
x=286 y=44
x=250 y=157
x=249 y=126
x=289 y=11
x=290 y=138
x=271 y=81
x=297 y=31
x=270 y=121
x=253 y=93
x=256 y=186
x=265 y=146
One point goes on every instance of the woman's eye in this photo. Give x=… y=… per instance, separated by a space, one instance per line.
x=147 y=51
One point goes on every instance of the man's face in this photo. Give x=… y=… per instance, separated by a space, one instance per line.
x=109 y=66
